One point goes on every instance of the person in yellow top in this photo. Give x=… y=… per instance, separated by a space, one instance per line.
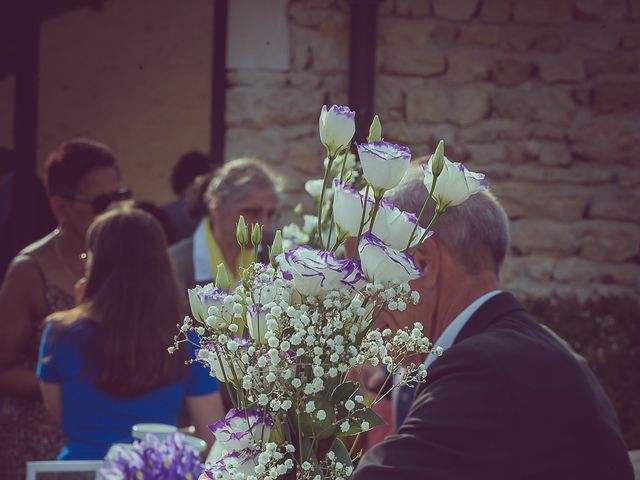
x=244 y=186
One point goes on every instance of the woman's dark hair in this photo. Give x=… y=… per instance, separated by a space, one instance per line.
x=134 y=299
x=73 y=160
x=190 y=166
x=160 y=215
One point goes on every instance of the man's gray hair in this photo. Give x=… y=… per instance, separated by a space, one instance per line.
x=475 y=233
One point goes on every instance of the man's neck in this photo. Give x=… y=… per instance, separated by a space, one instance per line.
x=459 y=295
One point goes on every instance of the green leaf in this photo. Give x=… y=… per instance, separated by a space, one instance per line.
x=342 y=454
x=344 y=391
x=355 y=420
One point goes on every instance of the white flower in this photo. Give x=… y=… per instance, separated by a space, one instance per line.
x=337 y=126
x=394 y=227
x=314 y=187
x=384 y=164
x=454 y=185
x=256 y=322
x=239 y=429
x=316 y=272
x=222 y=367
x=382 y=264
x=202 y=298
x=347 y=208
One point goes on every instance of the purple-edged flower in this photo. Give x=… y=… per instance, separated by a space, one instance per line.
x=455 y=183
x=257 y=322
x=394 y=227
x=382 y=264
x=241 y=462
x=150 y=459
x=384 y=164
x=224 y=366
x=348 y=205
x=317 y=272
x=201 y=299
x=337 y=126
x=242 y=429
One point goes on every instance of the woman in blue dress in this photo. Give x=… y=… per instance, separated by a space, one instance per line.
x=103 y=366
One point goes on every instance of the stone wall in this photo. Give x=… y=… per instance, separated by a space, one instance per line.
x=543 y=96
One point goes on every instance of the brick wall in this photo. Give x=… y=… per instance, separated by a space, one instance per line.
x=543 y=96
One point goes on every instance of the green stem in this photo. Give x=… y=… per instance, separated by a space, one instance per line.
x=324 y=187
x=356 y=252
x=424 y=207
x=426 y=231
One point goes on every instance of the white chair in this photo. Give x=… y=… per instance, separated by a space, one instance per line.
x=68 y=466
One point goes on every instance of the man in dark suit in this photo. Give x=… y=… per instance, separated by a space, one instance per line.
x=508 y=399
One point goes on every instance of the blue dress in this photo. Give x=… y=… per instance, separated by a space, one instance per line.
x=92 y=419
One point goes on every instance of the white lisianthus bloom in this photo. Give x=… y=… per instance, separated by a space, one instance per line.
x=454 y=185
x=384 y=164
x=382 y=264
x=347 y=208
x=337 y=127
x=394 y=227
x=314 y=187
x=202 y=298
x=317 y=272
x=241 y=429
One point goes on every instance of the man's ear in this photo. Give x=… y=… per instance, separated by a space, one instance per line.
x=428 y=259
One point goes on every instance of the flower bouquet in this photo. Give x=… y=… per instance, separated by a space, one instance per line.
x=284 y=340
x=150 y=459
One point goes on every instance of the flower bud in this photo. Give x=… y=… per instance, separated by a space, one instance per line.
x=298 y=210
x=222 y=278
x=276 y=247
x=256 y=234
x=438 y=159
x=375 y=131
x=242 y=232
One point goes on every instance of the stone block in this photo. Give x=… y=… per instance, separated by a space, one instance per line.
x=546 y=201
x=622 y=63
x=546 y=104
x=634 y=10
x=544 y=236
x=616 y=96
x=543 y=12
x=627 y=176
x=579 y=173
x=494 y=129
x=457 y=10
x=495 y=11
x=464 y=105
x=389 y=97
x=616 y=204
x=630 y=40
x=483 y=153
x=603 y=240
x=582 y=95
x=466 y=65
x=592 y=36
x=404 y=133
x=422 y=60
x=301 y=41
x=601 y=10
x=403 y=32
x=549 y=153
x=544 y=131
x=534 y=267
x=299 y=14
x=606 y=139
x=481 y=35
x=511 y=72
x=561 y=68
x=469 y=105
x=443 y=34
x=412 y=8
x=249 y=78
x=267 y=106
x=576 y=270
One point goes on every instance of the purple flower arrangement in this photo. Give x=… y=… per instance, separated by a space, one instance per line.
x=152 y=459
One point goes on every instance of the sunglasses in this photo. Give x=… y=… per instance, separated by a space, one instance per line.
x=100 y=203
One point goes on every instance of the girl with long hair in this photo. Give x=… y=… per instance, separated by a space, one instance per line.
x=104 y=365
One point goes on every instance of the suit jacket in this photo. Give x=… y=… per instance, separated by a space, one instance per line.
x=509 y=400
x=182 y=255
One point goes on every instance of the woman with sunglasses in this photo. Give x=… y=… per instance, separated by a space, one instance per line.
x=82 y=179
x=110 y=352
